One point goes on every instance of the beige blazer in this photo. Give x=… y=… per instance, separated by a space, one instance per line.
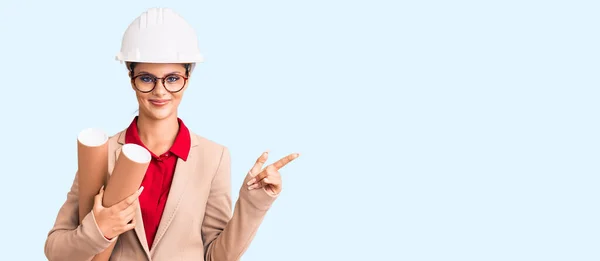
x=197 y=223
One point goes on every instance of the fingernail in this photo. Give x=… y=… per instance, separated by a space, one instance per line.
x=102 y=188
x=250 y=182
x=141 y=189
x=249 y=188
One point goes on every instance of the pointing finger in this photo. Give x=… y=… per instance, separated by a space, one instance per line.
x=259 y=163
x=285 y=160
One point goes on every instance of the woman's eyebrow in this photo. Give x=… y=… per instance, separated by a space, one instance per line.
x=174 y=72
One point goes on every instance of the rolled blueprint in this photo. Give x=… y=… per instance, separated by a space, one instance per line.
x=92 y=167
x=125 y=180
x=127 y=174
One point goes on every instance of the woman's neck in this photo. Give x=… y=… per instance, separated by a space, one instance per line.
x=158 y=135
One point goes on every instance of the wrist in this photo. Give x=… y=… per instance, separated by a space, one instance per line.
x=100 y=227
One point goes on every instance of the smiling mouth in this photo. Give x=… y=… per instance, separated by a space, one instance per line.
x=158 y=102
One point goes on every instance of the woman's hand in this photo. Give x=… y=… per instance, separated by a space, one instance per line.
x=118 y=218
x=269 y=178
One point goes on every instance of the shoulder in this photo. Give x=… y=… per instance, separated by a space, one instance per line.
x=214 y=156
x=207 y=145
x=116 y=140
x=115 y=137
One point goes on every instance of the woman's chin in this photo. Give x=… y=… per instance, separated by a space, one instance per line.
x=159 y=113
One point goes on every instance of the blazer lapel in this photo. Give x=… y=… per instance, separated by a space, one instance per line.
x=183 y=170
x=139 y=222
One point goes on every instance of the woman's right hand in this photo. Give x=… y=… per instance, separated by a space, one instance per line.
x=117 y=219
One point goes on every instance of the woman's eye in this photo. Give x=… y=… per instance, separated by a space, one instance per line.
x=172 y=78
x=146 y=79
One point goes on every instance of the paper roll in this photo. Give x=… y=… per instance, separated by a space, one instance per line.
x=92 y=167
x=127 y=174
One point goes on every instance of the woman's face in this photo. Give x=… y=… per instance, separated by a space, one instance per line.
x=159 y=103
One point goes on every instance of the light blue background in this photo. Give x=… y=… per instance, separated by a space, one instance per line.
x=429 y=130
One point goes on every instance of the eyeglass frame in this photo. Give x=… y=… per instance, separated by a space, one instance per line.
x=185 y=79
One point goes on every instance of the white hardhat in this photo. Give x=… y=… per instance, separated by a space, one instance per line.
x=160 y=35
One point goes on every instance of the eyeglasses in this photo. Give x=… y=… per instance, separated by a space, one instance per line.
x=147 y=82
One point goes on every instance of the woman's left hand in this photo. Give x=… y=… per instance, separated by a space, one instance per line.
x=269 y=178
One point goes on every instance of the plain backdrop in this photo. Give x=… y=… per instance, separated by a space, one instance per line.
x=428 y=130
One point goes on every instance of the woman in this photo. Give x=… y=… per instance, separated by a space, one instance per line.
x=183 y=208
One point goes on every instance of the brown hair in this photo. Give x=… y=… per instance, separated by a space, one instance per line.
x=131 y=66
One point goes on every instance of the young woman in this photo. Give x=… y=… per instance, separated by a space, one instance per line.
x=183 y=210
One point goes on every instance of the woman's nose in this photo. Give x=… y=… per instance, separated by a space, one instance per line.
x=160 y=88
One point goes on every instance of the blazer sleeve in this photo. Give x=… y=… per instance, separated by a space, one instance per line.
x=69 y=240
x=226 y=236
